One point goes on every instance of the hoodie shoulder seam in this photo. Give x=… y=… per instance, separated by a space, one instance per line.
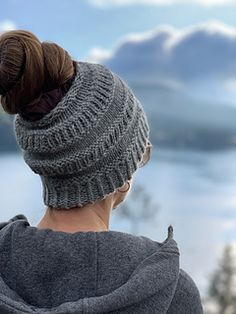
x=12 y=306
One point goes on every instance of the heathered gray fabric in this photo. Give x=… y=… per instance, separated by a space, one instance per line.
x=90 y=143
x=53 y=272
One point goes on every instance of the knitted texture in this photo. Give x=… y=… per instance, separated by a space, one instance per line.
x=90 y=143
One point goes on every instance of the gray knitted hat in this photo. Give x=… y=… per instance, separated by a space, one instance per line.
x=90 y=143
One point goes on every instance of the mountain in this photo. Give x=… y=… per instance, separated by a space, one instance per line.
x=181 y=121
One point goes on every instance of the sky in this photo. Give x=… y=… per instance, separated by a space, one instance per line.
x=184 y=44
x=80 y=25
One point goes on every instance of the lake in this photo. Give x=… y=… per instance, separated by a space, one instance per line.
x=194 y=191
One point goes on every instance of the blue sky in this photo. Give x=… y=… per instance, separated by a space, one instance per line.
x=80 y=25
x=202 y=38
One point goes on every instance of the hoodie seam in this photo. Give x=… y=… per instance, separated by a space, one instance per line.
x=15 y=307
x=172 y=252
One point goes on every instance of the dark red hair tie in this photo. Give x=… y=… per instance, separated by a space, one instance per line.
x=46 y=102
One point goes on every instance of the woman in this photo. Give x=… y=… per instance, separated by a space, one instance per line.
x=82 y=130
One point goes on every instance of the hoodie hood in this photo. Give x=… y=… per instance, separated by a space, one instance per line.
x=46 y=271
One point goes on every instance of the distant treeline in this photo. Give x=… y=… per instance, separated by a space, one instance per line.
x=7 y=138
x=163 y=134
x=177 y=136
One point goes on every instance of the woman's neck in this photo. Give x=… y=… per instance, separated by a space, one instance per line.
x=91 y=217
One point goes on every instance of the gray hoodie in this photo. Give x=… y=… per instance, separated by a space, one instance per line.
x=46 y=271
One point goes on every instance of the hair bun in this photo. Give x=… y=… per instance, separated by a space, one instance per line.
x=28 y=68
x=12 y=59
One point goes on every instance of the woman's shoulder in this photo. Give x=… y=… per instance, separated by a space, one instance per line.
x=187 y=299
x=14 y=218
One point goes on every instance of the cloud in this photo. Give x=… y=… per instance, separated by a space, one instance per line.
x=202 y=53
x=230 y=85
x=7 y=25
x=207 y=3
x=97 y=53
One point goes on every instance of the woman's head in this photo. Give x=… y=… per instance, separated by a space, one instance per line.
x=91 y=138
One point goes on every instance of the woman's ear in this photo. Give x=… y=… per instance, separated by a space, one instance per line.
x=120 y=196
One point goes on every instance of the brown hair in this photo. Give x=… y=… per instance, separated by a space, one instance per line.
x=29 y=67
